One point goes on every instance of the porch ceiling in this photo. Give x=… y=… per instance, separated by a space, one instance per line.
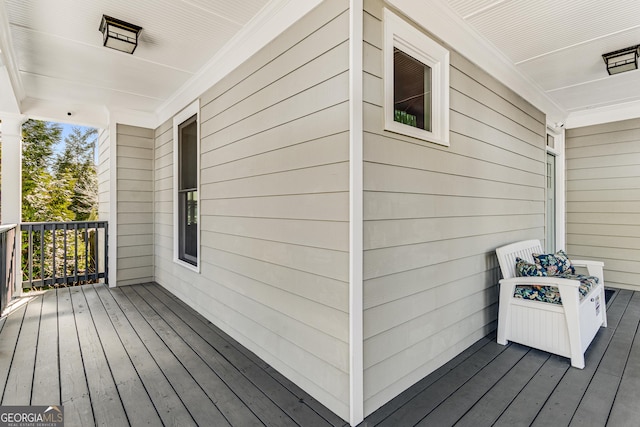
x=53 y=62
x=54 y=53
x=559 y=45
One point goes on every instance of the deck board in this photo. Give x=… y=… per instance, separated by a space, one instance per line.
x=18 y=386
x=135 y=399
x=563 y=402
x=10 y=332
x=251 y=398
x=436 y=393
x=47 y=374
x=506 y=388
x=625 y=407
x=168 y=404
x=140 y=356
x=463 y=399
x=598 y=399
x=299 y=405
x=74 y=390
x=229 y=405
x=106 y=401
x=487 y=409
x=200 y=406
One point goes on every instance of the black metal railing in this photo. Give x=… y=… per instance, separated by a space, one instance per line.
x=8 y=263
x=55 y=253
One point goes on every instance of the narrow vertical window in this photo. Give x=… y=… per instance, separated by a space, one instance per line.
x=188 y=191
x=186 y=184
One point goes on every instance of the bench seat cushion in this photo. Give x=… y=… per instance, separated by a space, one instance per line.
x=551 y=294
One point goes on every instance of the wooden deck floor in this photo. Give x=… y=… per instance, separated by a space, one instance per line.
x=494 y=385
x=139 y=356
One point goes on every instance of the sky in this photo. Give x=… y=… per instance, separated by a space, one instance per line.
x=66 y=130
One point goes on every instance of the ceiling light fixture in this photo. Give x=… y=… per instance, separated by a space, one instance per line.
x=621 y=60
x=119 y=35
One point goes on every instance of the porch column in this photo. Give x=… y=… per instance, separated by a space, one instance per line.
x=11 y=205
x=11 y=168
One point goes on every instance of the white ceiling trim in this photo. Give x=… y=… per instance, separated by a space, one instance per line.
x=210 y=12
x=441 y=21
x=483 y=9
x=607 y=114
x=582 y=43
x=270 y=22
x=84 y=115
x=10 y=82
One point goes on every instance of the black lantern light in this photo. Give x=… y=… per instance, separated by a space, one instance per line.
x=119 y=35
x=621 y=60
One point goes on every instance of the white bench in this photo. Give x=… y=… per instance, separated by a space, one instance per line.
x=565 y=329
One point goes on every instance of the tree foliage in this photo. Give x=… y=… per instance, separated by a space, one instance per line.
x=57 y=186
x=76 y=163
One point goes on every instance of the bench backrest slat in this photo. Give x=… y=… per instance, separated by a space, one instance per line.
x=507 y=255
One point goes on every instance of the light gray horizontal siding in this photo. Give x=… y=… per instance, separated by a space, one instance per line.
x=104 y=174
x=274 y=206
x=434 y=216
x=603 y=198
x=135 y=156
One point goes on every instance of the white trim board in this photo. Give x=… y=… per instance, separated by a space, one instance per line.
x=272 y=21
x=189 y=111
x=356 y=214
x=608 y=114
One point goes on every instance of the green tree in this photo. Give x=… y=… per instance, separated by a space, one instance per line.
x=57 y=187
x=42 y=194
x=76 y=162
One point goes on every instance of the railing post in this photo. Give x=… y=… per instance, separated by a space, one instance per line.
x=106 y=252
x=64 y=233
x=75 y=268
x=42 y=231
x=8 y=264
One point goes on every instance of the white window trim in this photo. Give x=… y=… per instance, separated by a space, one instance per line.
x=561 y=214
x=399 y=33
x=178 y=119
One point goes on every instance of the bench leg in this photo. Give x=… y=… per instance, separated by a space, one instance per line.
x=504 y=312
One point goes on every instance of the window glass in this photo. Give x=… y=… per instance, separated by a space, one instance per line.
x=188 y=132
x=188 y=191
x=411 y=91
x=189 y=226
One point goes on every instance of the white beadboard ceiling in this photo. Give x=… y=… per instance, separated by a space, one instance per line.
x=559 y=44
x=59 y=56
x=51 y=52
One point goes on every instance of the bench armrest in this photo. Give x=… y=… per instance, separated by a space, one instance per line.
x=569 y=288
x=595 y=268
x=545 y=281
x=587 y=263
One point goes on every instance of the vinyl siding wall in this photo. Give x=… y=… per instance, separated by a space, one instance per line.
x=104 y=174
x=603 y=198
x=274 y=206
x=135 y=205
x=434 y=216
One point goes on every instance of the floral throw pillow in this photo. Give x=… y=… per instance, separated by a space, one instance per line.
x=554 y=264
x=528 y=269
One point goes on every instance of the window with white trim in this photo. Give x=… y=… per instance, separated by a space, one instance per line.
x=186 y=131
x=416 y=80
